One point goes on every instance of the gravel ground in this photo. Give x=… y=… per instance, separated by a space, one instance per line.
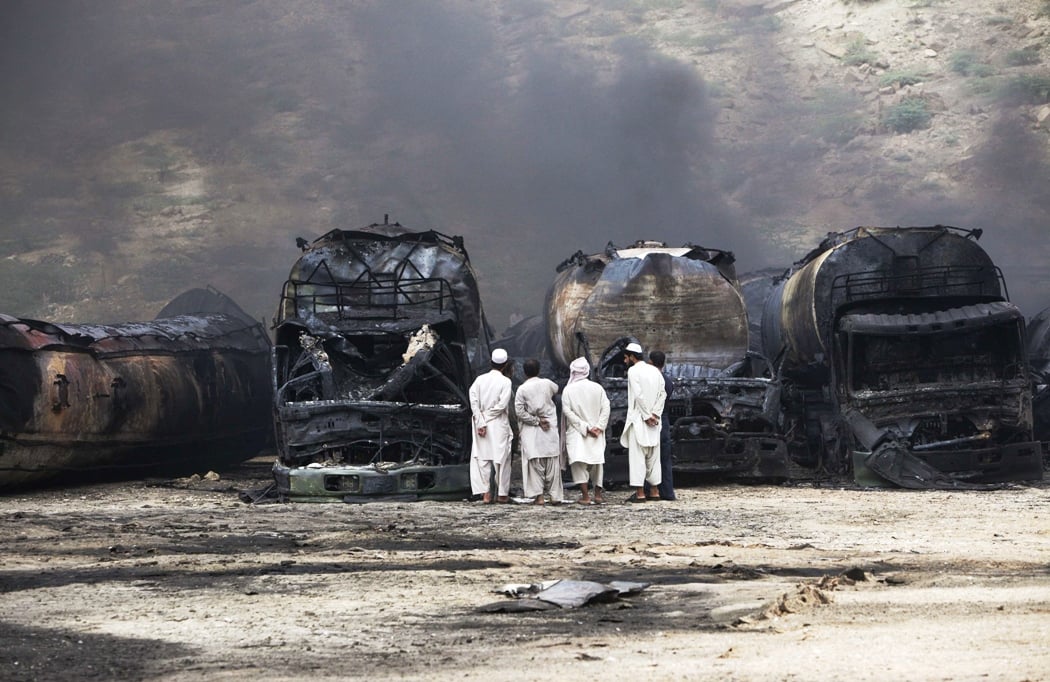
x=181 y=580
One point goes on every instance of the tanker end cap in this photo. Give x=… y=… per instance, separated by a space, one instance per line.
x=499 y=356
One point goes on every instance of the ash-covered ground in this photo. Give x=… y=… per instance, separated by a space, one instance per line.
x=181 y=580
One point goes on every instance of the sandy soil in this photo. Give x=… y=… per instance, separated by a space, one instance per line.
x=181 y=580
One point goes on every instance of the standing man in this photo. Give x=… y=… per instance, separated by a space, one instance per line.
x=657 y=359
x=490 y=444
x=538 y=433
x=585 y=408
x=641 y=433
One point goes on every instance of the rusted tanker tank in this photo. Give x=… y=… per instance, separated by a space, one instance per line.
x=379 y=334
x=686 y=302
x=902 y=354
x=187 y=391
x=682 y=299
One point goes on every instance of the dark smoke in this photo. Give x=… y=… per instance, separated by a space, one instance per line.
x=481 y=119
x=554 y=149
x=1004 y=194
x=536 y=152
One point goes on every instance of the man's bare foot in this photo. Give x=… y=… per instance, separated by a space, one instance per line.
x=584 y=500
x=503 y=499
x=486 y=498
x=598 y=499
x=539 y=500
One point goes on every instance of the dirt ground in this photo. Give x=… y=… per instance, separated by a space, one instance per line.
x=181 y=580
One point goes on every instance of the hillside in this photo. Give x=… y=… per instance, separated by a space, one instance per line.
x=151 y=147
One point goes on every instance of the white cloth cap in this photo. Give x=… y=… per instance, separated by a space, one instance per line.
x=633 y=348
x=499 y=356
x=579 y=370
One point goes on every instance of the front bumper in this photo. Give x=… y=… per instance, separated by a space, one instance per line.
x=339 y=483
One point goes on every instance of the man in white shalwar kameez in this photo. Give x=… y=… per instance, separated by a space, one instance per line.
x=641 y=433
x=538 y=435
x=490 y=445
x=585 y=409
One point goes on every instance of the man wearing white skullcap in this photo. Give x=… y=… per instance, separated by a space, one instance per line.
x=585 y=409
x=491 y=436
x=641 y=432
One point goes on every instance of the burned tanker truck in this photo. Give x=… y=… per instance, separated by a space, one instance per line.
x=902 y=357
x=686 y=302
x=184 y=393
x=1039 y=365
x=378 y=336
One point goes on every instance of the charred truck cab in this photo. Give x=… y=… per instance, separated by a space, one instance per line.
x=903 y=358
x=379 y=334
x=686 y=302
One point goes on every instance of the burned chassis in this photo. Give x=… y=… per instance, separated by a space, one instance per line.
x=371 y=369
x=959 y=414
x=723 y=422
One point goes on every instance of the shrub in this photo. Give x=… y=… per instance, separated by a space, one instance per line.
x=980 y=86
x=901 y=78
x=857 y=53
x=964 y=62
x=910 y=114
x=1029 y=88
x=1029 y=55
x=982 y=70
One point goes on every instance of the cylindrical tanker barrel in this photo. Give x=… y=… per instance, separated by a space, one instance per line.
x=874 y=269
x=171 y=395
x=756 y=288
x=682 y=300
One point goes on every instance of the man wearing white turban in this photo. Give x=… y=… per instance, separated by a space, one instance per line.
x=585 y=408
x=539 y=437
x=641 y=433
x=490 y=445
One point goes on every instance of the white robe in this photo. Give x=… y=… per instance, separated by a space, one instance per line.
x=533 y=402
x=489 y=403
x=645 y=398
x=585 y=405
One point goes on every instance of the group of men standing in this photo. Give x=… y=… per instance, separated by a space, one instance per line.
x=577 y=440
